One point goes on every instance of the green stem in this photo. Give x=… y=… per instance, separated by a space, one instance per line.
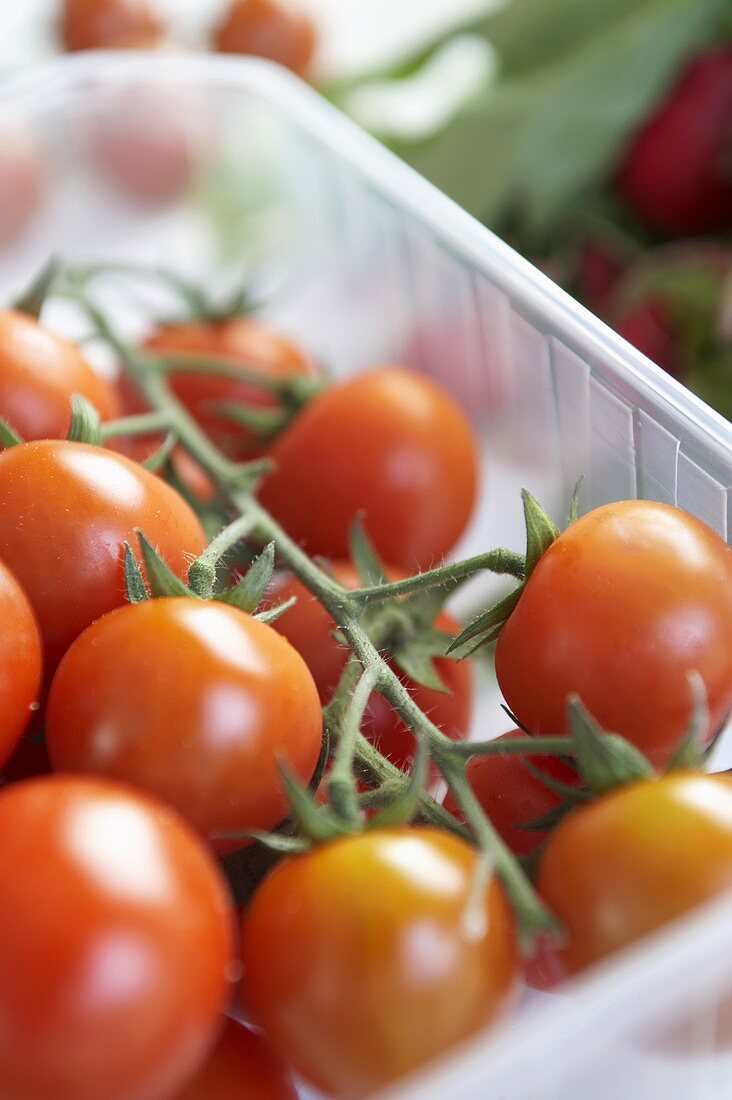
x=341 y=784
x=533 y=916
x=202 y=573
x=500 y=561
x=192 y=363
x=158 y=395
x=344 y=610
x=193 y=297
x=523 y=746
x=144 y=424
x=374 y=768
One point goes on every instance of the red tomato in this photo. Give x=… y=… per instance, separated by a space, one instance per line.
x=309 y=628
x=194 y=701
x=619 y=868
x=240 y=341
x=115 y=948
x=511 y=796
x=600 y=269
x=274 y=29
x=95 y=24
x=651 y=327
x=390 y=444
x=362 y=962
x=146 y=146
x=66 y=510
x=29 y=760
x=241 y=1067
x=20 y=663
x=21 y=182
x=620 y=609
x=676 y=173
x=39 y=374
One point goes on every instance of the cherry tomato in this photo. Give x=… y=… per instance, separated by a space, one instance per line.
x=273 y=29
x=39 y=374
x=620 y=609
x=115 y=948
x=362 y=962
x=241 y=1067
x=20 y=662
x=390 y=444
x=21 y=182
x=146 y=146
x=66 y=511
x=513 y=797
x=194 y=701
x=29 y=760
x=309 y=628
x=95 y=24
x=675 y=175
x=619 y=868
x=240 y=341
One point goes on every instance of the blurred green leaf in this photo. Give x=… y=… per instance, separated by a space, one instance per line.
x=577 y=78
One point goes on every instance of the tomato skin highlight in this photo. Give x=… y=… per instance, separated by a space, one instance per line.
x=268 y=28
x=66 y=511
x=116 y=941
x=20 y=663
x=195 y=702
x=619 y=868
x=361 y=965
x=112 y=24
x=388 y=444
x=39 y=374
x=241 y=1067
x=620 y=609
x=239 y=341
x=512 y=796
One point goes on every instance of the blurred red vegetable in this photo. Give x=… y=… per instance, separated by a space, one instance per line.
x=678 y=172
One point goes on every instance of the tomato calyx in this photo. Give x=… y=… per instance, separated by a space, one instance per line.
x=541 y=532
x=292 y=393
x=403 y=627
x=33 y=298
x=605 y=760
x=8 y=435
x=160 y=582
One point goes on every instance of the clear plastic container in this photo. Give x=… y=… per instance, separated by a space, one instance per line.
x=223 y=167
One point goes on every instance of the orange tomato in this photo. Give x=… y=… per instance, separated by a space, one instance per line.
x=194 y=701
x=388 y=444
x=241 y=1067
x=116 y=944
x=66 y=511
x=239 y=341
x=619 y=868
x=366 y=958
x=39 y=374
x=275 y=29
x=620 y=609
x=115 y=24
x=20 y=663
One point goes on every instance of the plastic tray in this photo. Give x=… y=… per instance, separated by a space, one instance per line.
x=366 y=262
